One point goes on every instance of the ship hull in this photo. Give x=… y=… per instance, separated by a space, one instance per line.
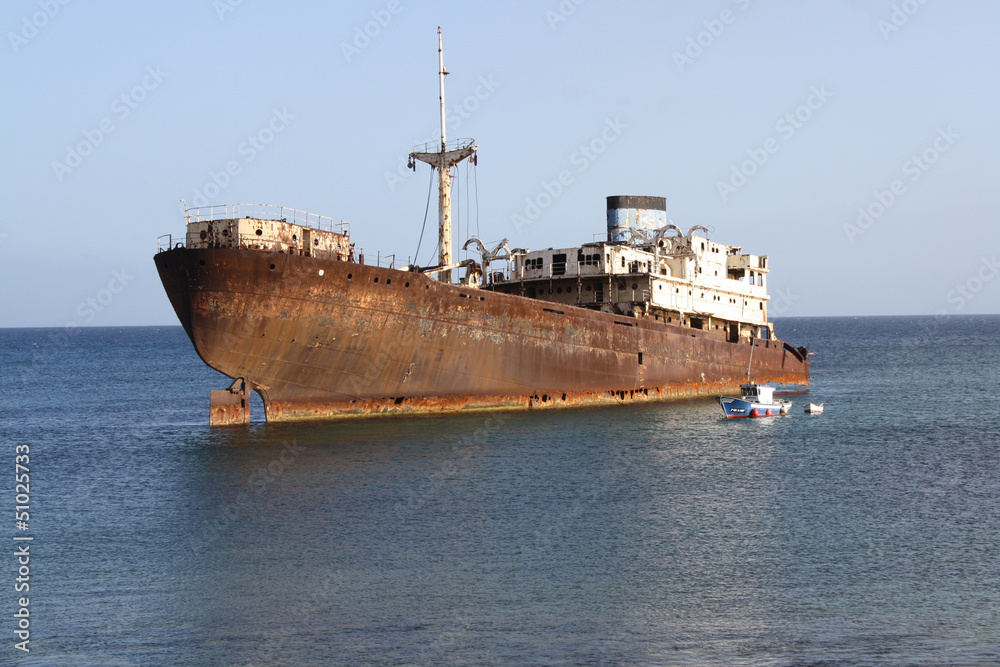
x=322 y=339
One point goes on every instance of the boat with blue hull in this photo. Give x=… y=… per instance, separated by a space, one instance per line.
x=756 y=400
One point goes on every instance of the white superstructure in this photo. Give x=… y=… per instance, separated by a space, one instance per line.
x=663 y=273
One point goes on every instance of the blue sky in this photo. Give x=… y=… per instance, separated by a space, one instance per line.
x=855 y=142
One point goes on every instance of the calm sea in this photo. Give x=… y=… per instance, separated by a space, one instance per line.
x=648 y=535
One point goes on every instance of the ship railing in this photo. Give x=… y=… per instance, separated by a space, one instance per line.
x=266 y=212
x=386 y=262
x=166 y=242
x=435 y=146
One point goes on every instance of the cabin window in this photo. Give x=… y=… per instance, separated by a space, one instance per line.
x=559 y=264
x=623 y=261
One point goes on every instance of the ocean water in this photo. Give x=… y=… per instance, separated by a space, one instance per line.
x=637 y=535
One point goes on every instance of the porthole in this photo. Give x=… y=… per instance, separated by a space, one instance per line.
x=204 y=235
x=272 y=267
x=635 y=286
x=406 y=284
x=321 y=272
x=388 y=281
x=294 y=237
x=350 y=275
x=260 y=232
x=376 y=279
x=202 y=262
x=559 y=290
x=315 y=241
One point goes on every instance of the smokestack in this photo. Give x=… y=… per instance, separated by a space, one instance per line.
x=637 y=212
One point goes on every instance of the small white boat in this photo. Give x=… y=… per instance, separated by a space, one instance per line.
x=756 y=400
x=814 y=409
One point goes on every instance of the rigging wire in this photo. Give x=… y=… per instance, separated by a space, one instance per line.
x=467 y=218
x=475 y=176
x=458 y=207
x=430 y=187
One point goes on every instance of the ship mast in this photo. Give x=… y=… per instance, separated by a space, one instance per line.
x=443 y=160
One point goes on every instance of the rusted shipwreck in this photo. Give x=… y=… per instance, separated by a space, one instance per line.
x=280 y=301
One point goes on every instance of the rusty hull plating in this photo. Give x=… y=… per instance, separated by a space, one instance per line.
x=321 y=338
